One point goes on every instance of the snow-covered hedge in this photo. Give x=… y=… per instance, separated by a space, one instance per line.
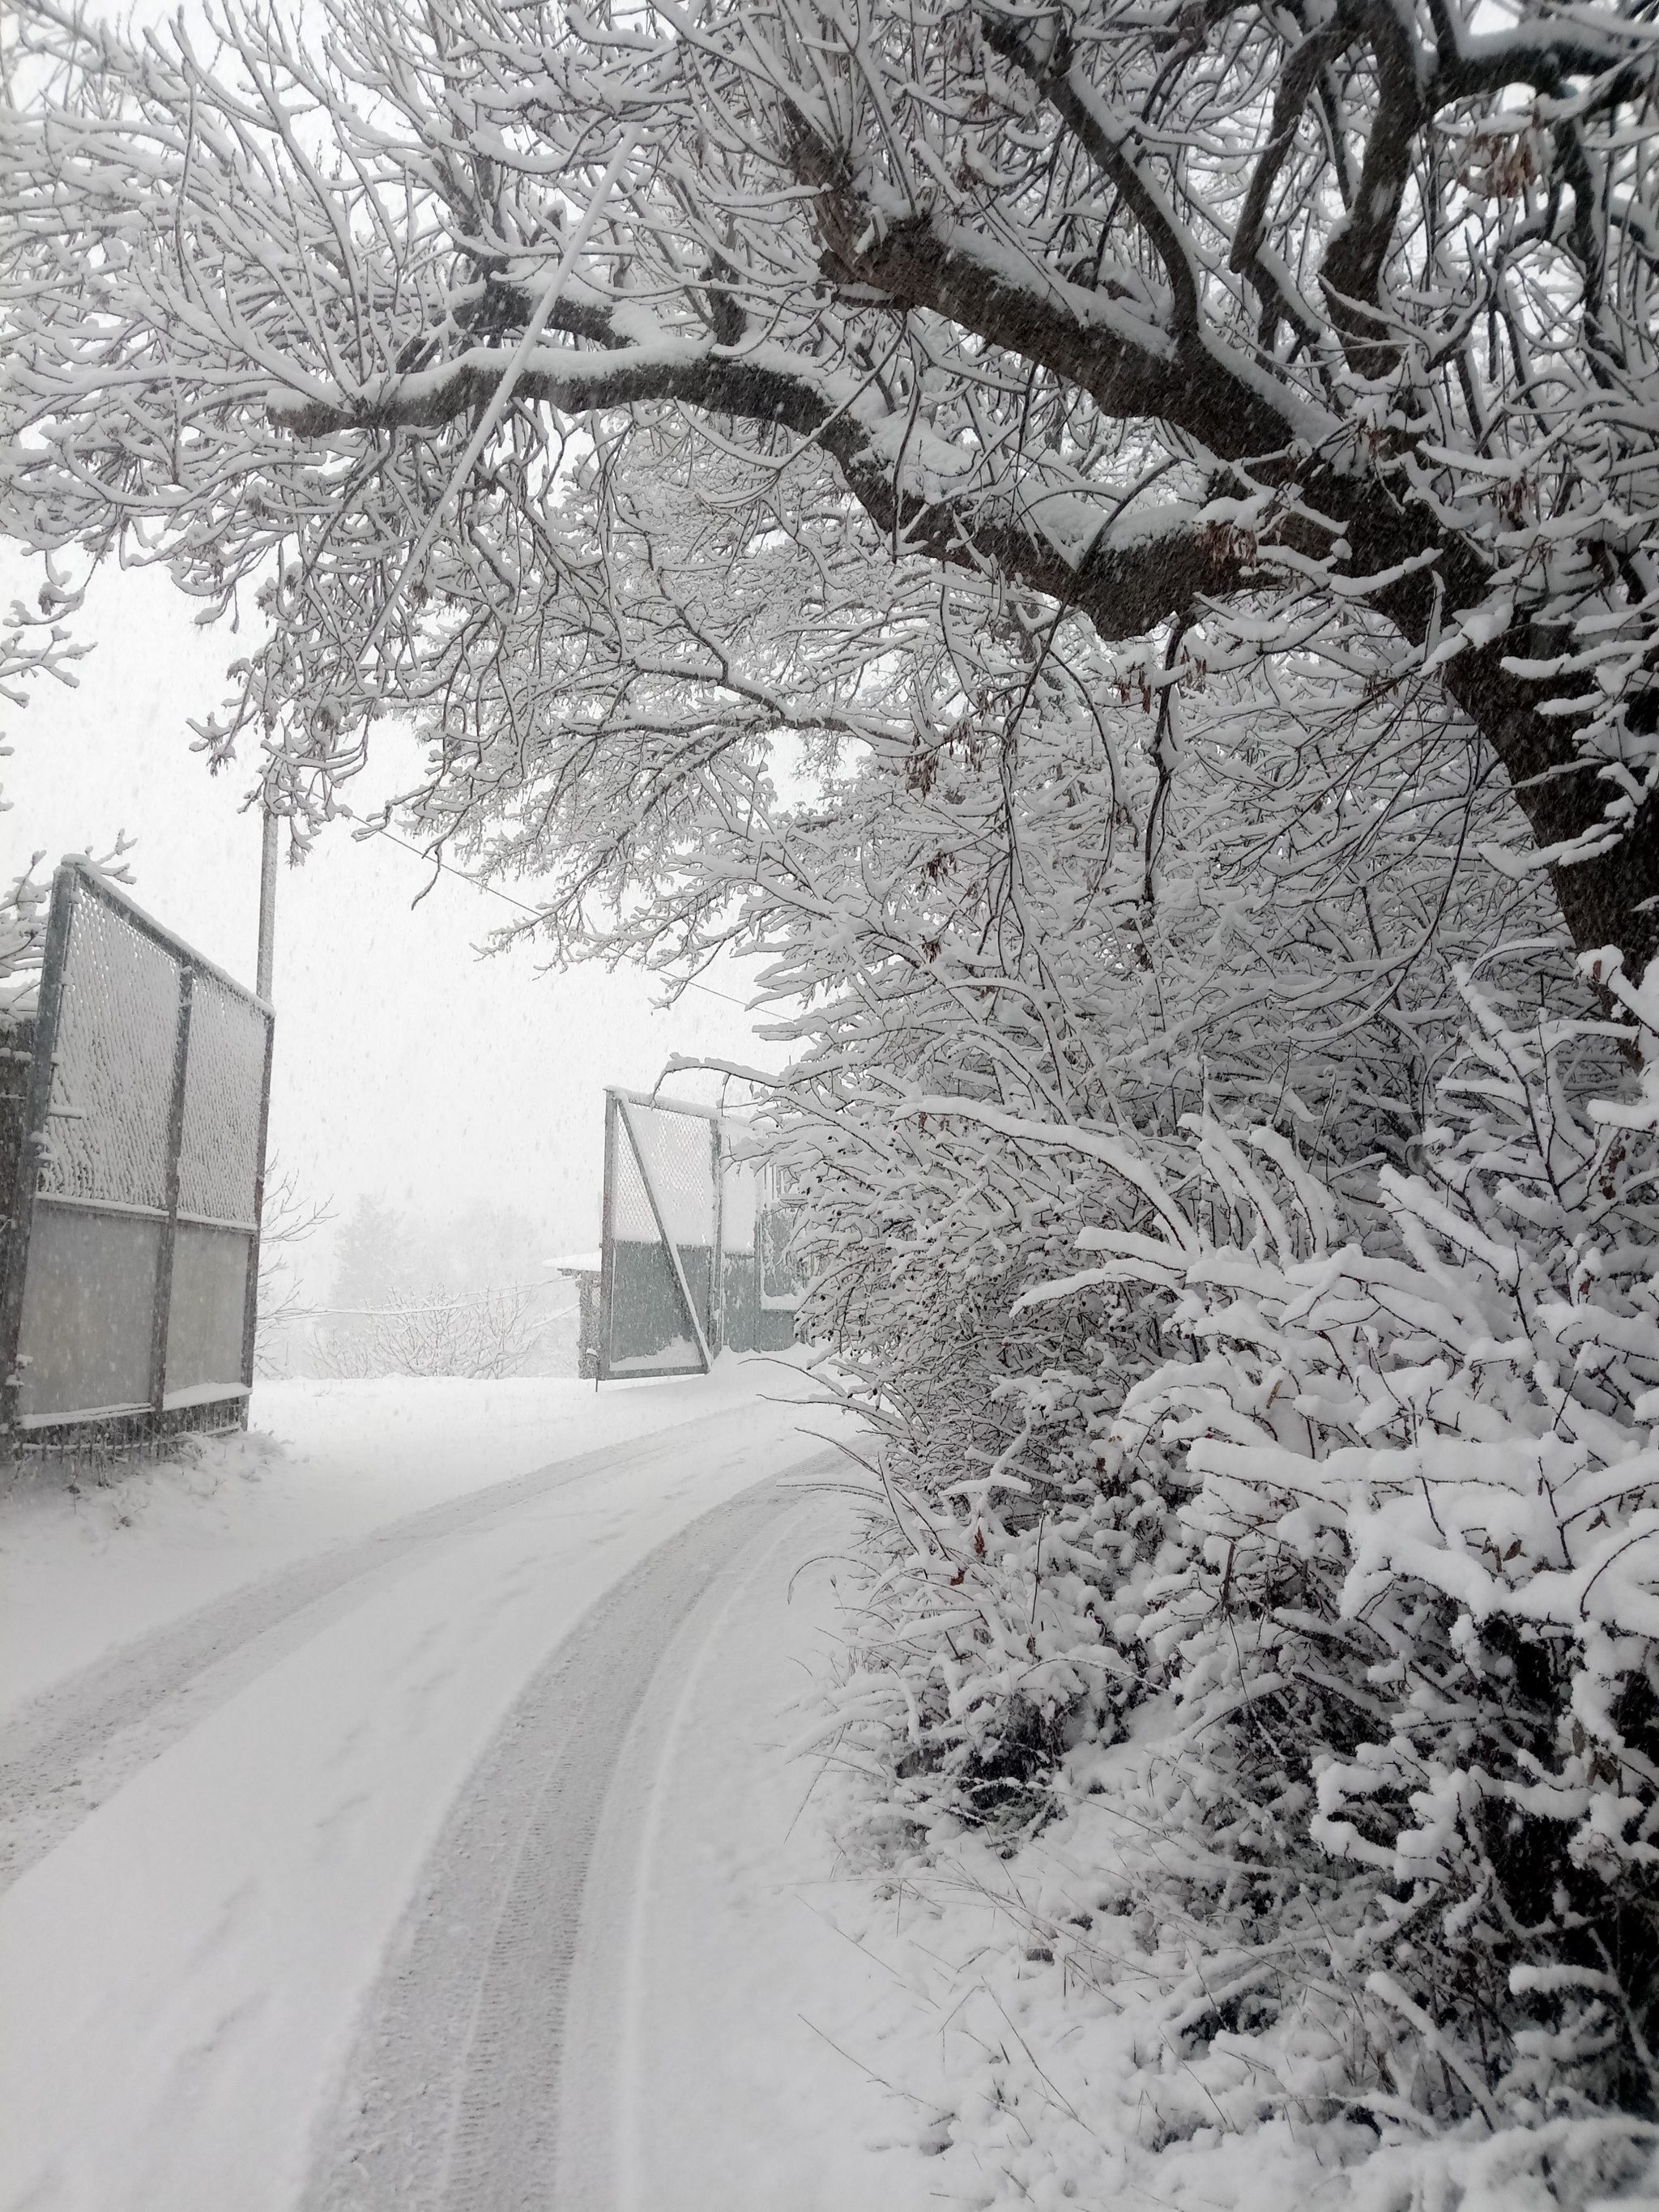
x=1365 y=1573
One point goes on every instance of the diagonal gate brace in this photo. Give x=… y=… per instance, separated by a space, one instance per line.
x=669 y=1245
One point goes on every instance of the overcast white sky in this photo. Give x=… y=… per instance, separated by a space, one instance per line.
x=405 y=1067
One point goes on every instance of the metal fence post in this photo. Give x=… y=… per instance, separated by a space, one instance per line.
x=607 y=1241
x=717 y=1274
x=36 y=1112
x=162 y=1311
x=266 y=957
x=251 y=1305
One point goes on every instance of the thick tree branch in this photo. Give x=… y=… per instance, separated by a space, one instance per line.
x=1302 y=73
x=181 y=273
x=1352 y=273
x=1235 y=413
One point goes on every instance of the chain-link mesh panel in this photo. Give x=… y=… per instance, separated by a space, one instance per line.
x=739 y=1195
x=647 y=1326
x=679 y=1154
x=632 y=1221
x=112 y=1087
x=780 y=1283
x=224 y=1082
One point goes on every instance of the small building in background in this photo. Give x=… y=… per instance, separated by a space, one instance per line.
x=584 y=1269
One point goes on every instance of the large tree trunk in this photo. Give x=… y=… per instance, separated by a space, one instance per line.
x=1612 y=898
x=1609 y=898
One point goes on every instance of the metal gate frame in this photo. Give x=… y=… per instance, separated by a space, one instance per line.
x=619 y=1126
x=75 y=880
x=708 y=1328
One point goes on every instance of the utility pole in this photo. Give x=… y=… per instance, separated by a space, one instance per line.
x=267 y=906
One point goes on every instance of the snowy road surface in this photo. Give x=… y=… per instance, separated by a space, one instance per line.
x=298 y=1880
x=74 y=1744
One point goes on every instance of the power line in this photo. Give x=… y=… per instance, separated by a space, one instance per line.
x=494 y=891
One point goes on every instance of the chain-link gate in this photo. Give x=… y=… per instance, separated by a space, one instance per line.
x=128 y=1281
x=693 y=1246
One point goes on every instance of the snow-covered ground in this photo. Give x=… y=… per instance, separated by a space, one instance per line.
x=86 y=1567
x=184 y=1970
x=740 y=2062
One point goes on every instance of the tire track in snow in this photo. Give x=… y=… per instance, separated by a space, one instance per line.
x=67 y=1750
x=451 y=2100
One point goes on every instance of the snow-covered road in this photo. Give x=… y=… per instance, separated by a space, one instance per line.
x=297 y=1915
x=453 y=2098
x=73 y=1744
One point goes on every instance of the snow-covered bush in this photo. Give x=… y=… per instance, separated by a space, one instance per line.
x=23 y=904
x=484 y=1334
x=1015 y=989
x=1418 y=1598
x=1364 y=1571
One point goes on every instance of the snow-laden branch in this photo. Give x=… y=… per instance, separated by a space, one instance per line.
x=1340 y=298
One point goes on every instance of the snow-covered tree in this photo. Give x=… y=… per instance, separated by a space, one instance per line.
x=1330 y=317
x=32 y=645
